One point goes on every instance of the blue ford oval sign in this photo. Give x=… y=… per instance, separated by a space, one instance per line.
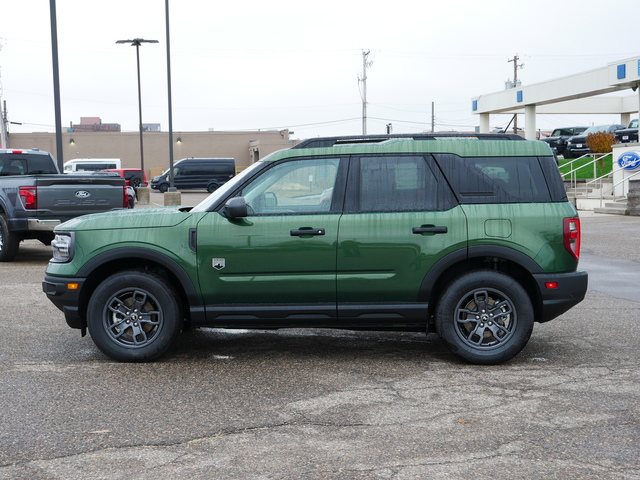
x=82 y=194
x=629 y=160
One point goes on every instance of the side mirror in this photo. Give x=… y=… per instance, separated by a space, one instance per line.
x=235 y=207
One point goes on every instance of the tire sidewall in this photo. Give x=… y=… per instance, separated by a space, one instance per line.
x=8 y=240
x=155 y=286
x=458 y=289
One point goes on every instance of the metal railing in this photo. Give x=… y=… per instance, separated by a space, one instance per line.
x=596 y=184
x=573 y=172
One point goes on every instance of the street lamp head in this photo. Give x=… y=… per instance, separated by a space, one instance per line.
x=137 y=41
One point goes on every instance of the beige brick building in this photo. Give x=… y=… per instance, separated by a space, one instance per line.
x=245 y=147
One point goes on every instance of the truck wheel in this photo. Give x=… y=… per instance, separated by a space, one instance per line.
x=134 y=316
x=135 y=181
x=9 y=242
x=485 y=317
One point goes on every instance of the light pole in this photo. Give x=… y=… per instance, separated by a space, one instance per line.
x=136 y=42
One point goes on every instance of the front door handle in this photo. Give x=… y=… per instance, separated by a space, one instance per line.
x=307 y=231
x=429 y=230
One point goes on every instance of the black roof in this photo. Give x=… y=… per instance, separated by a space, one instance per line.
x=322 y=142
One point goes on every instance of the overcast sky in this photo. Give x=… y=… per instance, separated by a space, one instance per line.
x=249 y=65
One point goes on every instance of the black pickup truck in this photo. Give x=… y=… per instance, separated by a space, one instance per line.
x=629 y=134
x=35 y=197
x=558 y=138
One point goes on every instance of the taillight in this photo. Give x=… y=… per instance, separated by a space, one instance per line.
x=125 y=198
x=29 y=196
x=572 y=236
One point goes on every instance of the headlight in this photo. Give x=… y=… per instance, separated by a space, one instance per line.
x=62 y=246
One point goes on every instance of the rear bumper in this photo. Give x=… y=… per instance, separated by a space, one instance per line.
x=42 y=225
x=65 y=298
x=33 y=224
x=571 y=289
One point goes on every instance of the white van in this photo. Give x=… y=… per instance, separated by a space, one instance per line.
x=91 y=164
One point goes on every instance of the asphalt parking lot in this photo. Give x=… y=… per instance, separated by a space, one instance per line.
x=327 y=404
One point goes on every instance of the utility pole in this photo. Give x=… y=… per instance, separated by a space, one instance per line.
x=3 y=114
x=433 y=117
x=515 y=85
x=3 y=125
x=365 y=64
x=56 y=83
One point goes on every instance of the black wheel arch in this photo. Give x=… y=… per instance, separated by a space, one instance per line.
x=128 y=258
x=495 y=257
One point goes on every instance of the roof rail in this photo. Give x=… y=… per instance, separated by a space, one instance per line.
x=322 y=142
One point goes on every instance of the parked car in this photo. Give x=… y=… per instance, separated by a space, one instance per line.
x=132 y=176
x=558 y=138
x=197 y=173
x=577 y=145
x=132 y=196
x=629 y=134
x=35 y=197
x=474 y=239
x=90 y=164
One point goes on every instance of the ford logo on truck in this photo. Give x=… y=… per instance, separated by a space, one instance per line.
x=83 y=194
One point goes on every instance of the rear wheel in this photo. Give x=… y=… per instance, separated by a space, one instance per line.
x=212 y=187
x=9 y=241
x=133 y=316
x=485 y=317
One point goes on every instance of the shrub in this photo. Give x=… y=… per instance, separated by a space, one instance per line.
x=601 y=142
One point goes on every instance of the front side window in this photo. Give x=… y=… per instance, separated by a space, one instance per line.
x=299 y=186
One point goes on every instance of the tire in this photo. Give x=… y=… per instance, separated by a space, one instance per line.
x=212 y=187
x=485 y=317
x=567 y=153
x=133 y=316
x=163 y=187
x=135 y=182
x=9 y=242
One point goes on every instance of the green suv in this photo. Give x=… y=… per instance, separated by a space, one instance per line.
x=472 y=238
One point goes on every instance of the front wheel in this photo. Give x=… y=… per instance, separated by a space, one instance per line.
x=164 y=187
x=133 y=316
x=485 y=317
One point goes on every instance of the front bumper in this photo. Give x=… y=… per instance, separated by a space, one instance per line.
x=575 y=150
x=65 y=293
x=571 y=289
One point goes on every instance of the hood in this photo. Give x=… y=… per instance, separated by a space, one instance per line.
x=129 y=218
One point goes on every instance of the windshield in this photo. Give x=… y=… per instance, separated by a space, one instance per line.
x=224 y=190
x=596 y=129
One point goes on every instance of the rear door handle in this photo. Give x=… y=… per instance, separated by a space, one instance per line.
x=307 y=231
x=429 y=230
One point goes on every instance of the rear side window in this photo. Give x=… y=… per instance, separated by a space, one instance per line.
x=26 y=165
x=396 y=184
x=209 y=168
x=496 y=179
